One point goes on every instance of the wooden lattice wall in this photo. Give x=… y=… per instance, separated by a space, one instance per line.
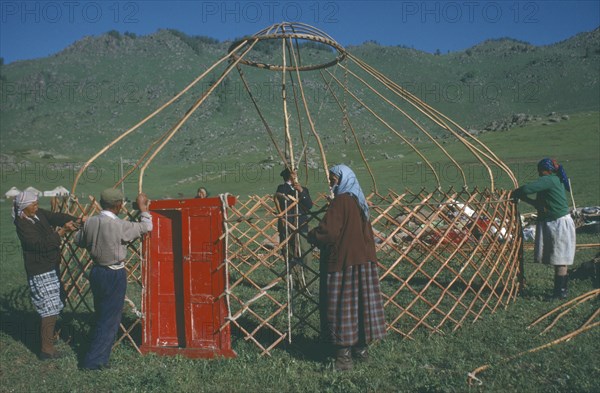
x=76 y=264
x=445 y=259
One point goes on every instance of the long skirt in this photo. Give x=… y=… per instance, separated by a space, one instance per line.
x=351 y=307
x=555 y=241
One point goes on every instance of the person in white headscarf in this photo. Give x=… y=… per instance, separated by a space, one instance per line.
x=350 y=302
x=40 y=232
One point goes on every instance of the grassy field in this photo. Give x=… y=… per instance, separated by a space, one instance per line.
x=428 y=363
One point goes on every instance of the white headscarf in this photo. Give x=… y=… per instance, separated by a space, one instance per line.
x=348 y=183
x=24 y=199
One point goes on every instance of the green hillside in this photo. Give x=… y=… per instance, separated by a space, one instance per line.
x=60 y=110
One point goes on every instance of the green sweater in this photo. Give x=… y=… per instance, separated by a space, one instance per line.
x=551 y=201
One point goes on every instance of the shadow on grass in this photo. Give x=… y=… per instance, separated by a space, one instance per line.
x=589 y=270
x=302 y=347
x=308 y=348
x=19 y=321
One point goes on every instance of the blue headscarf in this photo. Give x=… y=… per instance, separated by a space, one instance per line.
x=550 y=164
x=348 y=183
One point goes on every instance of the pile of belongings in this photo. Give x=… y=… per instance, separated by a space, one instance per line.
x=586 y=218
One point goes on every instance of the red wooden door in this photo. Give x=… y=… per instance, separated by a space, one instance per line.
x=200 y=254
x=165 y=301
x=184 y=279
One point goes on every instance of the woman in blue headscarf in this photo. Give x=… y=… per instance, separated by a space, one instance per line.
x=555 y=231
x=350 y=299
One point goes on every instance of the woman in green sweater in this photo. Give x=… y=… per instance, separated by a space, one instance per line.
x=555 y=231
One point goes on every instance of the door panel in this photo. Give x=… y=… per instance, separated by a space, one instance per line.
x=184 y=280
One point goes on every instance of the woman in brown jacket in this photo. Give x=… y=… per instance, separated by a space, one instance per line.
x=350 y=299
x=40 y=234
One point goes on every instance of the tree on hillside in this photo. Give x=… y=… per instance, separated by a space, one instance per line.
x=114 y=34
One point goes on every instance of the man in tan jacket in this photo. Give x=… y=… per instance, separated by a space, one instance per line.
x=106 y=237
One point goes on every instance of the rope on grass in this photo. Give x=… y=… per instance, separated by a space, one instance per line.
x=587 y=325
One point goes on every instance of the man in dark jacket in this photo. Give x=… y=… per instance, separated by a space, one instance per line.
x=41 y=253
x=293 y=224
x=295 y=216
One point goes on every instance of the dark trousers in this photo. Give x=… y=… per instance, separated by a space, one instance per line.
x=108 y=287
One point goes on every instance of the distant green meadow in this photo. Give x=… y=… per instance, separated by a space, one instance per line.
x=427 y=363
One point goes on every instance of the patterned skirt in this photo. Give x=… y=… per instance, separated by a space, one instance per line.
x=351 y=307
x=45 y=293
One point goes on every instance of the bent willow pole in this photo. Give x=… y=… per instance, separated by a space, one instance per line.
x=389 y=96
x=447 y=255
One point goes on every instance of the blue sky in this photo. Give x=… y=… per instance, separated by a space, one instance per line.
x=32 y=29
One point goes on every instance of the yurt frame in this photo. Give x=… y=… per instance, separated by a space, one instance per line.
x=446 y=258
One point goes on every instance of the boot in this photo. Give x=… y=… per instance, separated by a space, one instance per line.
x=343 y=359
x=360 y=353
x=564 y=291
x=560 y=287
x=47 y=335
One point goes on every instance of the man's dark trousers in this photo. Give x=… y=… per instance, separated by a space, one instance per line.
x=108 y=288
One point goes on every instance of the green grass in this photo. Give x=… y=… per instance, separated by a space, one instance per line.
x=428 y=363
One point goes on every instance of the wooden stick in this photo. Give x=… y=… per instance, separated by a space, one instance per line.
x=286 y=123
x=571 y=192
x=579 y=299
x=189 y=113
x=312 y=124
x=392 y=129
x=414 y=122
x=472 y=376
x=262 y=117
x=143 y=121
x=347 y=121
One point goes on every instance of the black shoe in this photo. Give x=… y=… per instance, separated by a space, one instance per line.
x=43 y=356
x=343 y=359
x=360 y=353
x=561 y=291
x=562 y=294
x=96 y=368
